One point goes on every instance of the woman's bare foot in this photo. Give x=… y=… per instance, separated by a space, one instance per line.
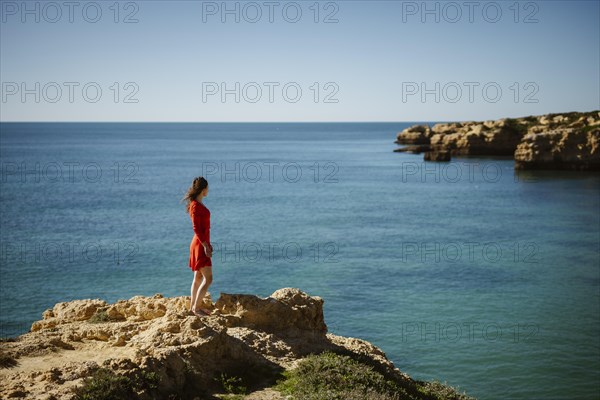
x=201 y=312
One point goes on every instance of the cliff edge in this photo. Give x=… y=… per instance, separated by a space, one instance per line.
x=155 y=346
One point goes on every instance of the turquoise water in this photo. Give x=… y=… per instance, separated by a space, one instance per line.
x=463 y=272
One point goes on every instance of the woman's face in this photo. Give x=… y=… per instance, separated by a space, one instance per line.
x=205 y=192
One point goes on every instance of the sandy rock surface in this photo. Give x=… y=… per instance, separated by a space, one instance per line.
x=187 y=352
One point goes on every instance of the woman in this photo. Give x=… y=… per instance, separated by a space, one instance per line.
x=200 y=247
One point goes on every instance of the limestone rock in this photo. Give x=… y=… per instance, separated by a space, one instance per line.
x=65 y=312
x=570 y=148
x=261 y=336
x=417 y=134
x=298 y=313
x=437 y=155
x=414 y=149
x=553 y=141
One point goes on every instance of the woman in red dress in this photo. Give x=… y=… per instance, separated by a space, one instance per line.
x=200 y=247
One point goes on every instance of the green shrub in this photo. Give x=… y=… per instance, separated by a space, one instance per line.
x=104 y=384
x=330 y=376
x=232 y=384
x=516 y=126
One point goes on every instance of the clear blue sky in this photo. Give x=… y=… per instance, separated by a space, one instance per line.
x=374 y=55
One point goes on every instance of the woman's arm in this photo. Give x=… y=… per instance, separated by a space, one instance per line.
x=200 y=223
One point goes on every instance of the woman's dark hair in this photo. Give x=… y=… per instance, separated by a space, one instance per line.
x=198 y=186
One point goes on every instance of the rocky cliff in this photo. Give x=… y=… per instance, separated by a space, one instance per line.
x=177 y=355
x=553 y=141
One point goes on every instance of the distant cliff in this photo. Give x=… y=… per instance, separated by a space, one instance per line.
x=554 y=141
x=153 y=348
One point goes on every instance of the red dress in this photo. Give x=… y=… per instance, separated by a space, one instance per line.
x=201 y=223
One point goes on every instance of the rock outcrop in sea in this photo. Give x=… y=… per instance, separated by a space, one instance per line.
x=554 y=141
x=184 y=354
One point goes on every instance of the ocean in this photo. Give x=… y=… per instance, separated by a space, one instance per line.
x=464 y=272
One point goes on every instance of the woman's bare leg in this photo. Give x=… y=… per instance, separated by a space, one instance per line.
x=207 y=275
x=195 y=285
